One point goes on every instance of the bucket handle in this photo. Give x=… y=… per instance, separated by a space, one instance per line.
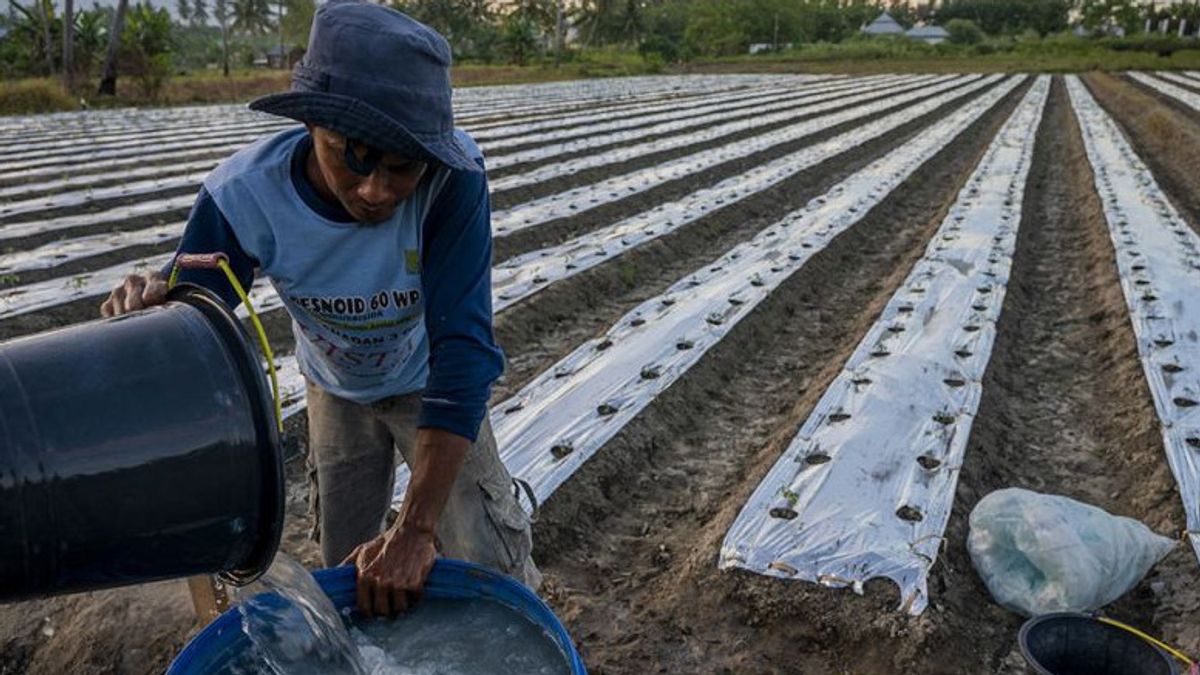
x=1187 y=661
x=211 y=261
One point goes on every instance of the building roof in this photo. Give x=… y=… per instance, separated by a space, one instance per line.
x=884 y=24
x=928 y=32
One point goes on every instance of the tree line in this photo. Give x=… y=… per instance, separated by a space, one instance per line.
x=89 y=47
x=144 y=42
x=681 y=29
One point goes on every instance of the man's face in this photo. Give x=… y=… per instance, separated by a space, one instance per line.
x=370 y=198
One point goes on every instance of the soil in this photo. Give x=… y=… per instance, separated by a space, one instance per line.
x=629 y=544
x=539 y=331
x=564 y=228
x=1167 y=136
x=737 y=114
x=635 y=534
x=1066 y=409
x=747 y=216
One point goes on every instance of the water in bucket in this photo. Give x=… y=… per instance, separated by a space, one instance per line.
x=459 y=637
x=295 y=630
x=294 y=627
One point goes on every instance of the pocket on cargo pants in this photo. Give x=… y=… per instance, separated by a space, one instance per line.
x=482 y=522
x=507 y=527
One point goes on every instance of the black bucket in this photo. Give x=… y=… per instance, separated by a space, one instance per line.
x=1066 y=643
x=134 y=449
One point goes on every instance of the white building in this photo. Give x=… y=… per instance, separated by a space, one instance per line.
x=933 y=35
x=764 y=47
x=884 y=24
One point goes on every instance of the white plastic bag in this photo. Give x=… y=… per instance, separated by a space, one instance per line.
x=1044 y=553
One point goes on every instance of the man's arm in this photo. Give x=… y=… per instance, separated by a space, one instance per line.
x=463 y=362
x=464 y=359
x=207 y=231
x=392 y=567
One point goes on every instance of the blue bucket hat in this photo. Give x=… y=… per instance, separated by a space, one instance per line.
x=378 y=77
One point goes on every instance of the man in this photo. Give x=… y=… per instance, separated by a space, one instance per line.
x=373 y=224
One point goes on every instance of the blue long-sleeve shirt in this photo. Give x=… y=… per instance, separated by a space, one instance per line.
x=441 y=253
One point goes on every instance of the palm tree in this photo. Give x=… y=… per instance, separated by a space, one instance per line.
x=185 y=10
x=90 y=30
x=279 y=24
x=199 y=13
x=221 y=13
x=34 y=22
x=590 y=13
x=108 y=81
x=252 y=16
x=68 y=45
x=47 y=9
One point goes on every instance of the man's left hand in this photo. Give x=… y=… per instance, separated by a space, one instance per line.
x=392 y=569
x=393 y=566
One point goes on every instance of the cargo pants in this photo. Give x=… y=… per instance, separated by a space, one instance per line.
x=351 y=468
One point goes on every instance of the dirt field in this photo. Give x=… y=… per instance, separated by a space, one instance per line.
x=629 y=544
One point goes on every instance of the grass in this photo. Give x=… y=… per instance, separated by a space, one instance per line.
x=43 y=95
x=1159 y=124
x=1054 y=54
x=34 y=96
x=992 y=63
x=628 y=274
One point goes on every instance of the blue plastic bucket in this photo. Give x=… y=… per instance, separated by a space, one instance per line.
x=220 y=644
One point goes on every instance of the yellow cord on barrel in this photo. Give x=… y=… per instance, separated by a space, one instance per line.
x=1148 y=638
x=223 y=263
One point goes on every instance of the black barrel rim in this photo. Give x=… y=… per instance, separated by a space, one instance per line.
x=226 y=323
x=1035 y=622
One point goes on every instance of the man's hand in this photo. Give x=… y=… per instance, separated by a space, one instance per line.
x=393 y=566
x=392 y=569
x=134 y=293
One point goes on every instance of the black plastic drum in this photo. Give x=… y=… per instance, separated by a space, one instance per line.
x=1066 y=643
x=134 y=449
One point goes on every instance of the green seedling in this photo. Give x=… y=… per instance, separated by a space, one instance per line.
x=792 y=498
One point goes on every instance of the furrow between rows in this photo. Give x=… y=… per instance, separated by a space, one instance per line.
x=501 y=101
x=56 y=252
x=764 y=115
x=526 y=274
x=63 y=151
x=1178 y=78
x=1188 y=98
x=246 y=119
x=292 y=383
x=1158 y=257
x=156 y=155
x=516 y=279
x=865 y=488
x=534 y=150
x=586 y=197
x=597 y=121
x=165 y=183
x=241 y=115
x=565 y=415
